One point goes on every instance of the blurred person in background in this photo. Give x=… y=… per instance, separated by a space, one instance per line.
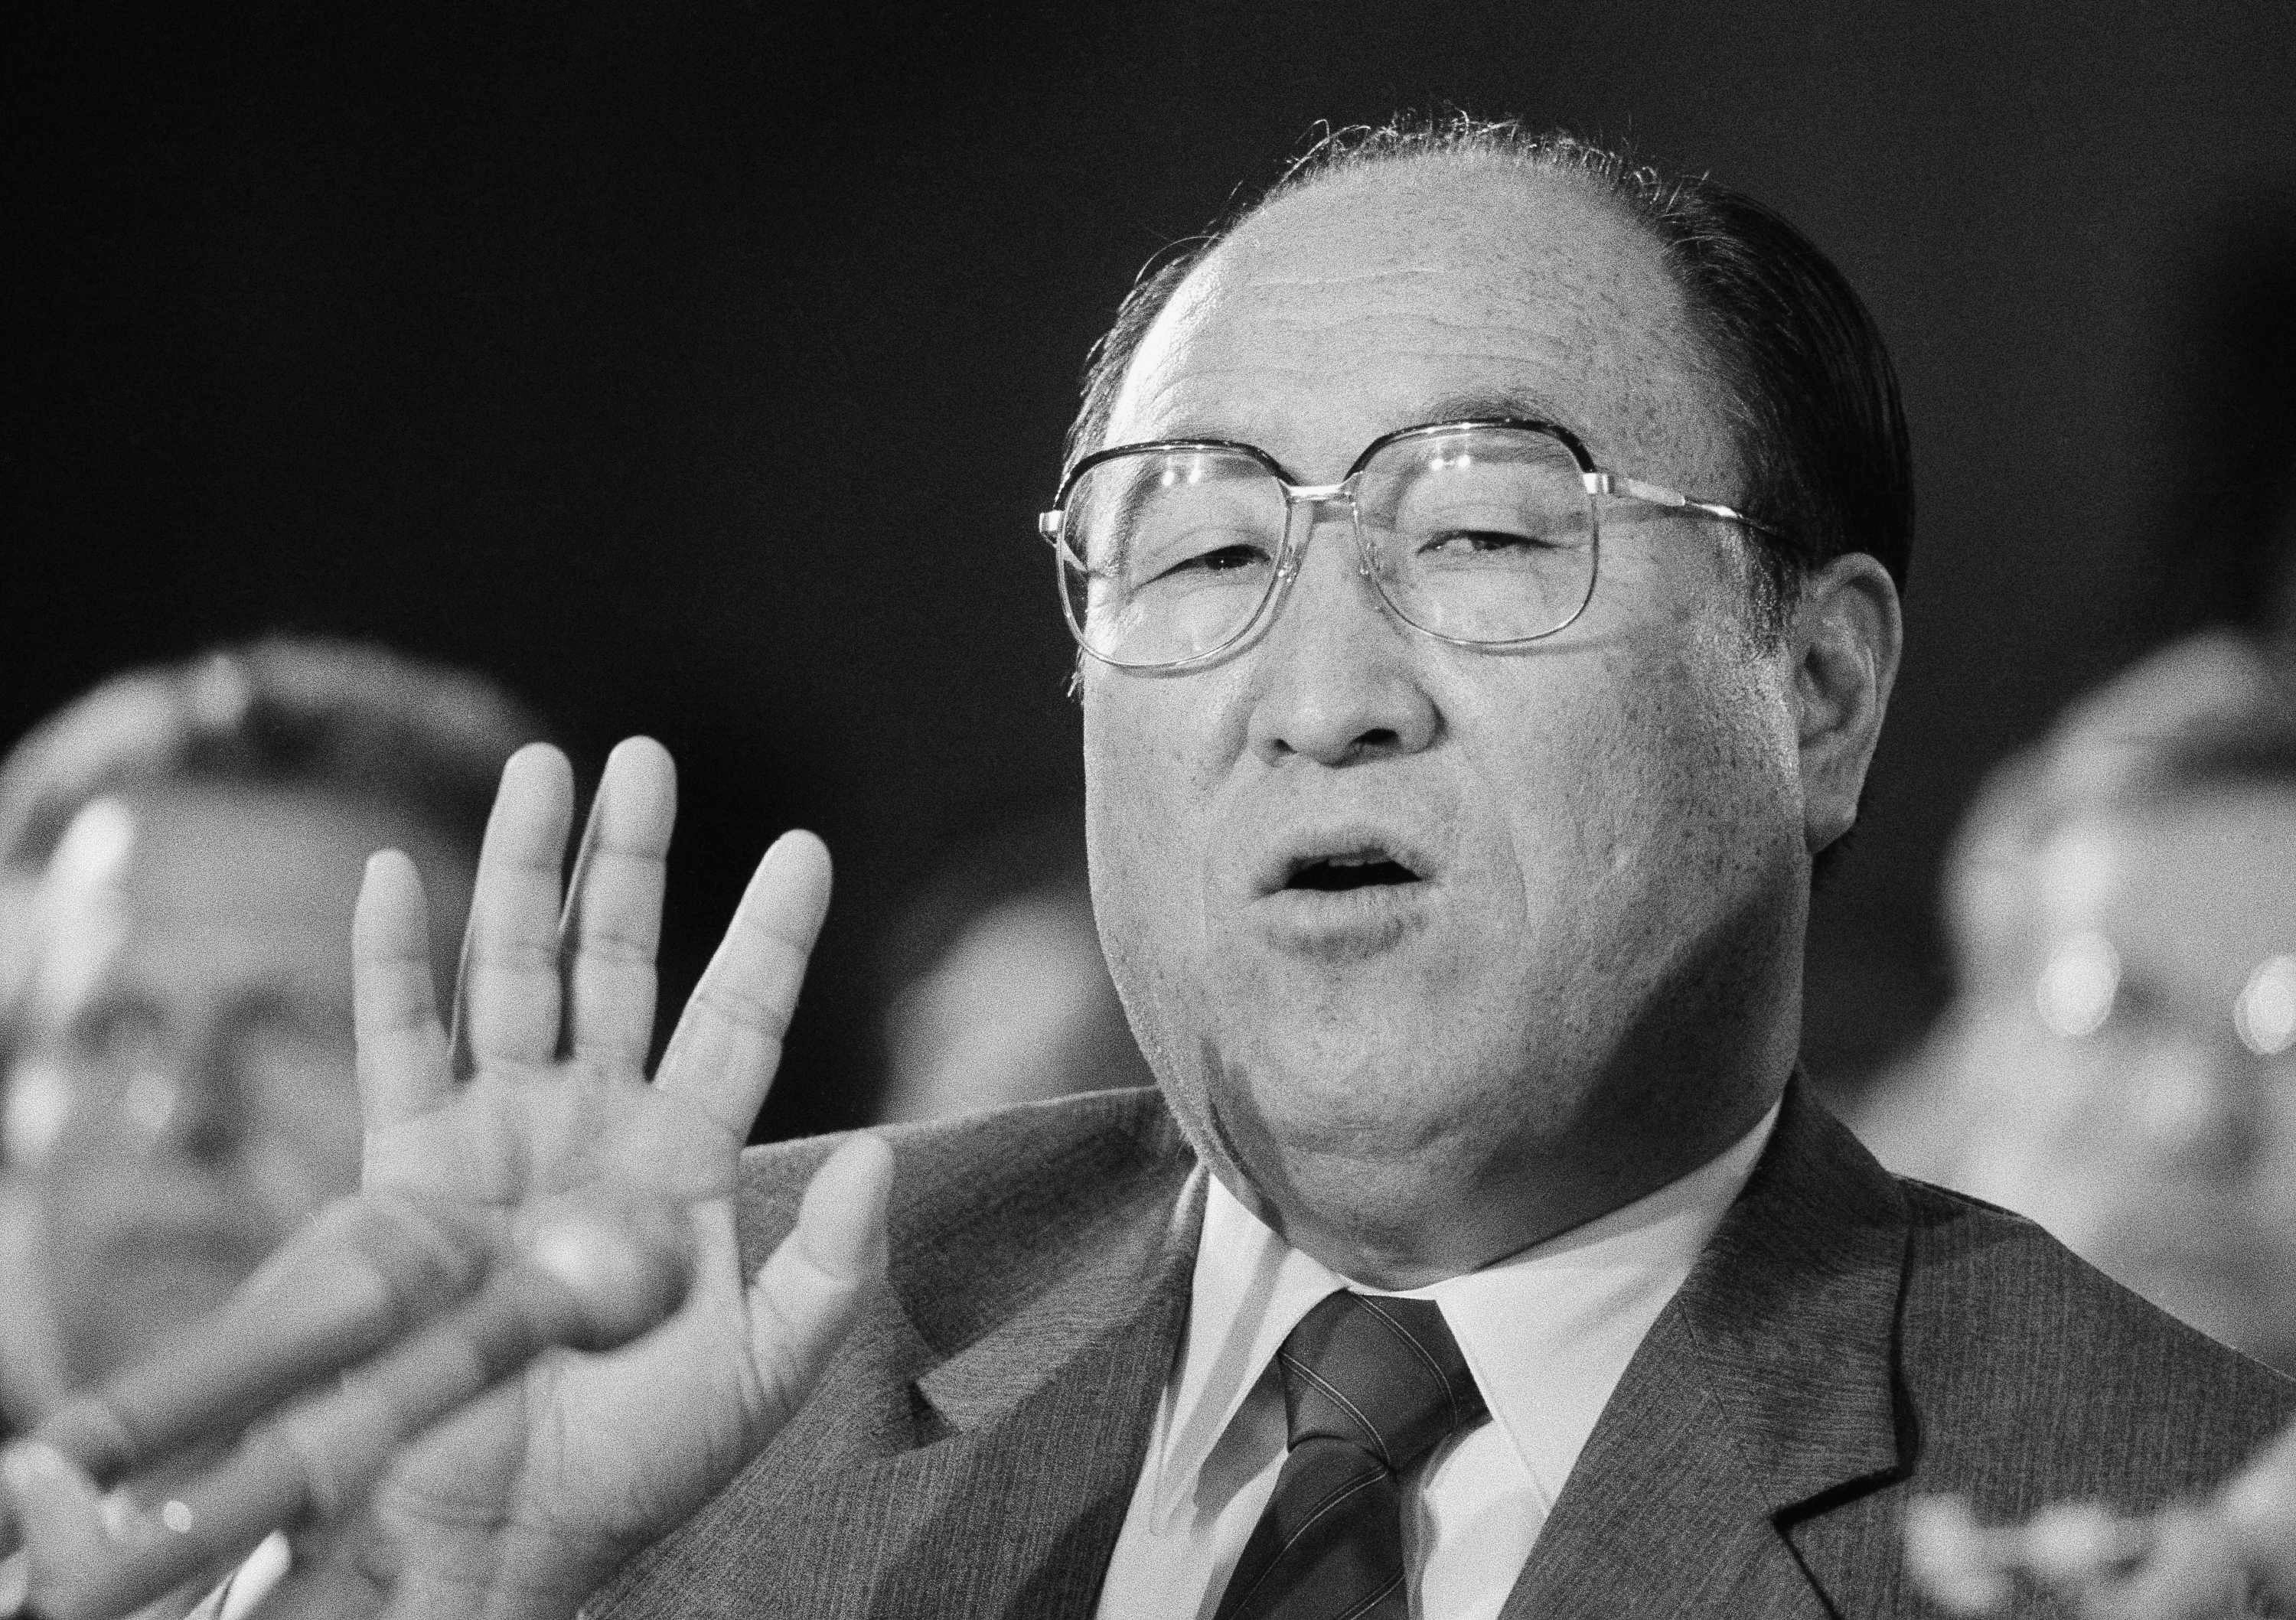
x=997 y=991
x=2120 y=1062
x=2120 y=1058
x=2221 y=1556
x=181 y=849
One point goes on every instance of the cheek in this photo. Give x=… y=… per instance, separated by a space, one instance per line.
x=1129 y=808
x=1145 y=814
x=1726 y=763
x=1662 y=790
x=1156 y=752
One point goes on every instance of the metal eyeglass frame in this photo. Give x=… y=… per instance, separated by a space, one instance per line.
x=1051 y=525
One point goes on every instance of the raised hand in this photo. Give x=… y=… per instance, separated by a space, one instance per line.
x=373 y=1321
x=524 y=1501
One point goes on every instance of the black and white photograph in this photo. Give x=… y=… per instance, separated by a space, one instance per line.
x=1480 y=810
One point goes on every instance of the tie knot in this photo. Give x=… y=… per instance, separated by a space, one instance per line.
x=1381 y=1373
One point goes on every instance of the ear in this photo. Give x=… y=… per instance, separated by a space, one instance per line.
x=1845 y=639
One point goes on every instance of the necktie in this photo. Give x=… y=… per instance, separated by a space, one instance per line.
x=1371 y=1385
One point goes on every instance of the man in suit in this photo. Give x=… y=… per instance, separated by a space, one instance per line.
x=179 y=848
x=1489 y=605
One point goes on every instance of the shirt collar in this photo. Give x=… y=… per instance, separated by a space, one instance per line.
x=1547 y=1332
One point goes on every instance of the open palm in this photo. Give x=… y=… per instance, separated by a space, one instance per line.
x=523 y=1501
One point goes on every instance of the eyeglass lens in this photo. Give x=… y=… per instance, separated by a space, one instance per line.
x=1480 y=535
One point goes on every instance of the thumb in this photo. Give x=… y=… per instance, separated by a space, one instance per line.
x=808 y=1292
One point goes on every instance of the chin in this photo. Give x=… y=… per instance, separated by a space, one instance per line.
x=1389 y=1106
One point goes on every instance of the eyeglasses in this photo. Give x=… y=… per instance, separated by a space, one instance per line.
x=1481 y=534
x=2081 y=993
x=127 y=1076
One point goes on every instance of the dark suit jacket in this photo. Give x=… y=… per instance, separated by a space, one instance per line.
x=1846 y=1340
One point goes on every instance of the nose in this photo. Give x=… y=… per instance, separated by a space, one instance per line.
x=188 y=1104
x=1337 y=678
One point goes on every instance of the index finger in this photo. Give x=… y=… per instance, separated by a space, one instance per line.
x=729 y=1042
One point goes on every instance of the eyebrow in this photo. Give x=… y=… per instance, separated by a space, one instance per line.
x=1490 y=403
x=1470 y=405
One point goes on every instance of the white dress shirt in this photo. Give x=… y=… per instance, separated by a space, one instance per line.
x=1547 y=1333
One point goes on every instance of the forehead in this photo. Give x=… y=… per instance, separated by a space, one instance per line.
x=227 y=889
x=267 y=854
x=1388 y=297
x=2203 y=884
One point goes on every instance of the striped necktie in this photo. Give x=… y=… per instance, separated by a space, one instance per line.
x=1371 y=1385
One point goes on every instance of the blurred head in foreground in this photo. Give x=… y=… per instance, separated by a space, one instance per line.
x=2124 y=1049
x=182 y=849
x=997 y=992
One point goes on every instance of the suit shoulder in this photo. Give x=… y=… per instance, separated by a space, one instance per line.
x=2013 y=1344
x=949 y=1174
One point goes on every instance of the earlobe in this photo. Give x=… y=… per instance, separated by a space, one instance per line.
x=1847 y=633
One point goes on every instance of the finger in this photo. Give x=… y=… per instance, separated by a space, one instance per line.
x=808 y=1292
x=506 y=1002
x=591 y=1275
x=68 y=1532
x=402 y=1051
x=728 y=1044
x=352 y=1280
x=613 y=908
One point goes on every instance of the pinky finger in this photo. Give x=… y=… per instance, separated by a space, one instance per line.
x=808 y=1293
x=402 y=1048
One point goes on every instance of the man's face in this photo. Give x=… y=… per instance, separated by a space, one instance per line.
x=2158 y=1144
x=1605 y=832
x=186 y=1096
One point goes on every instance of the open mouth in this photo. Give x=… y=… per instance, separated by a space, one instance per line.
x=1333 y=874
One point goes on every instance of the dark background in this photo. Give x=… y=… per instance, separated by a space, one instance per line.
x=699 y=371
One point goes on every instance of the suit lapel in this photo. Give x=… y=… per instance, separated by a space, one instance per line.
x=1045 y=1421
x=1038 y=1360
x=1761 y=1399
x=971 y=1447
x=1031 y=1360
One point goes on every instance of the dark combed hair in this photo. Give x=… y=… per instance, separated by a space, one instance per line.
x=1811 y=394
x=358 y=722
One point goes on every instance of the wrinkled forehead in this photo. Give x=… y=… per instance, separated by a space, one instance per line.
x=1419 y=291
